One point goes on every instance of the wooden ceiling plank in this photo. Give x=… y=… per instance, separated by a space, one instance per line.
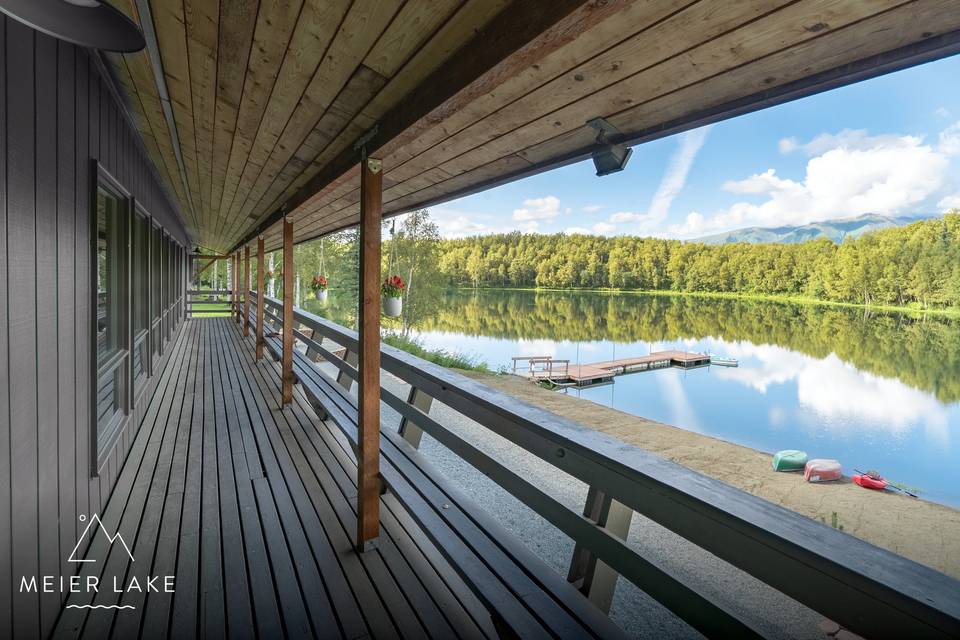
x=238 y=19
x=463 y=24
x=169 y=22
x=122 y=72
x=470 y=18
x=276 y=21
x=357 y=34
x=138 y=68
x=409 y=31
x=312 y=35
x=202 y=20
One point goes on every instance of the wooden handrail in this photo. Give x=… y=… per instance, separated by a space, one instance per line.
x=866 y=589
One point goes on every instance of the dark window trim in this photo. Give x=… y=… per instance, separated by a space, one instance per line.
x=100 y=451
x=140 y=336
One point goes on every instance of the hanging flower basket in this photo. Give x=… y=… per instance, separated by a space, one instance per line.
x=391 y=291
x=319 y=287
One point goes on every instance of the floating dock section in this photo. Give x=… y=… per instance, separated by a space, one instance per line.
x=562 y=373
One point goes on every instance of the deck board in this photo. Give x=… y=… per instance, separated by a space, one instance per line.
x=252 y=508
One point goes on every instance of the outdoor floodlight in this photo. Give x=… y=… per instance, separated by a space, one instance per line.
x=607 y=156
x=88 y=23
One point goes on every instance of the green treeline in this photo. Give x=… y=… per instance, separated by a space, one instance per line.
x=917 y=265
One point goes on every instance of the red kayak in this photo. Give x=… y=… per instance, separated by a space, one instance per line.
x=867 y=482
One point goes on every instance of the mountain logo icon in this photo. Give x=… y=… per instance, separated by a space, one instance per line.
x=92 y=526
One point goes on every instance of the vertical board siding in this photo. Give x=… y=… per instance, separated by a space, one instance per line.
x=21 y=320
x=45 y=84
x=57 y=113
x=6 y=575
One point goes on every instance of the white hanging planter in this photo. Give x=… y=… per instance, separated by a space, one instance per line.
x=321 y=295
x=392 y=307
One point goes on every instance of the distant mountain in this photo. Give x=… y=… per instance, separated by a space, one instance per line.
x=836 y=230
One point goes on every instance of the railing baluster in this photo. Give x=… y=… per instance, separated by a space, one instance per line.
x=345 y=381
x=408 y=430
x=592 y=576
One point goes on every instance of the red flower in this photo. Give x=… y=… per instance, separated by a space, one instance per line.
x=319 y=283
x=392 y=287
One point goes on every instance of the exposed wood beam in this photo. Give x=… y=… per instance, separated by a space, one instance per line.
x=246 y=290
x=477 y=66
x=287 y=359
x=260 y=293
x=368 y=457
x=205 y=267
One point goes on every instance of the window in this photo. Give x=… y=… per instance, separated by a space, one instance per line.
x=112 y=313
x=156 y=290
x=141 y=301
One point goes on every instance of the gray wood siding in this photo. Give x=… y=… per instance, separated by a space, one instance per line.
x=56 y=114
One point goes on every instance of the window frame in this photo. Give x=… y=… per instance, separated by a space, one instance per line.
x=101 y=446
x=140 y=269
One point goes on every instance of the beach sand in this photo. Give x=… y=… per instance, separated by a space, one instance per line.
x=923 y=531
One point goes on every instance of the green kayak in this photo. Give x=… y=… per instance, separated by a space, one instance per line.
x=789 y=460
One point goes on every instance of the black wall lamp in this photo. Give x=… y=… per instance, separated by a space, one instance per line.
x=88 y=23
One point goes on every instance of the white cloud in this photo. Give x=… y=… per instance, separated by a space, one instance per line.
x=600 y=228
x=942 y=112
x=950 y=202
x=950 y=139
x=787 y=145
x=627 y=216
x=545 y=208
x=456 y=224
x=603 y=228
x=591 y=208
x=848 y=174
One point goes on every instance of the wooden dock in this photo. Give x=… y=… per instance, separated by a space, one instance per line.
x=561 y=372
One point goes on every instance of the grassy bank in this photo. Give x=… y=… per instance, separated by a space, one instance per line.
x=442 y=357
x=947 y=312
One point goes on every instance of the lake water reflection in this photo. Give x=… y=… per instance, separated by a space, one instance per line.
x=872 y=390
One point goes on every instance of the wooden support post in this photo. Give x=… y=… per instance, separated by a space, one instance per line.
x=591 y=576
x=236 y=285
x=408 y=430
x=368 y=456
x=260 y=293
x=286 y=363
x=246 y=290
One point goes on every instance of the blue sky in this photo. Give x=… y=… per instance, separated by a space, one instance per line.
x=890 y=145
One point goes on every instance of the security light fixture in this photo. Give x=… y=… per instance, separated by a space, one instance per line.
x=88 y=23
x=607 y=156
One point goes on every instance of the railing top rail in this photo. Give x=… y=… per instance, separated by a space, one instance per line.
x=750 y=532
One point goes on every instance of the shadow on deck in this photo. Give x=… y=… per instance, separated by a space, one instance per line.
x=252 y=510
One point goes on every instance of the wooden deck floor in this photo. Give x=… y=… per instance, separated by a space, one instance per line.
x=252 y=509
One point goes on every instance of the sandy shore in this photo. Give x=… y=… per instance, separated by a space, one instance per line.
x=923 y=531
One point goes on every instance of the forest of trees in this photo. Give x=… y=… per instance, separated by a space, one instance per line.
x=916 y=265
x=913 y=266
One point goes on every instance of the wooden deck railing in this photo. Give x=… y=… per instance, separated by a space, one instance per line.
x=866 y=589
x=205 y=301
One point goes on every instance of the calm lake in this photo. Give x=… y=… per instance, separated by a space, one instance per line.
x=869 y=389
